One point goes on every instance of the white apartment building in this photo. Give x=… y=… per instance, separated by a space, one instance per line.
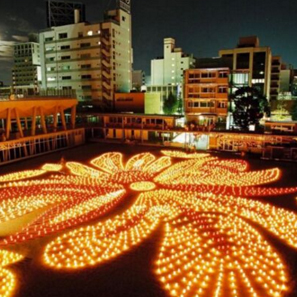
x=95 y=60
x=26 y=70
x=169 y=69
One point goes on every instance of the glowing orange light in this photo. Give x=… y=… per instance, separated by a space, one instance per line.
x=208 y=247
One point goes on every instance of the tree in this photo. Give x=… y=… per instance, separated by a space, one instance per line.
x=170 y=104
x=293 y=110
x=249 y=107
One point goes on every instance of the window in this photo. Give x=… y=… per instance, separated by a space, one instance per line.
x=48 y=39
x=87 y=87
x=86 y=76
x=222 y=90
x=85 y=66
x=208 y=74
x=123 y=18
x=221 y=104
x=65 y=58
x=49 y=48
x=80 y=34
x=90 y=33
x=207 y=90
x=85 y=44
x=63 y=35
x=63 y=47
x=66 y=77
x=223 y=74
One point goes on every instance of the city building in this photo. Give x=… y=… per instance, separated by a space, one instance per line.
x=138 y=80
x=26 y=70
x=60 y=13
x=138 y=102
x=95 y=60
x=275 y=77
x=206 y=95
x=164 y=91
x=286 y=78
x=169 y=69
x=254 y=59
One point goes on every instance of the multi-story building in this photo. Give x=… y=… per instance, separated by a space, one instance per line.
x=250 y=57
x=286 y=78
x=164 y=92
x=275 y=77
x=138 y=79
x=26 y=70
x=169 y=69
x=95 y=60
x=206 y=95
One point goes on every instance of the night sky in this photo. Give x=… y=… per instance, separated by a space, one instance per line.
x=199 y=27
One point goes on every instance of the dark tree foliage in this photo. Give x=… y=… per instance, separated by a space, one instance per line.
x=293 y=111
x=249 y=107
x=170 y=104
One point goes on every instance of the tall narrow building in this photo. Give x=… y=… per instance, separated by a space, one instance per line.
x=26 y=70
x=169 y=69
x=95 y=60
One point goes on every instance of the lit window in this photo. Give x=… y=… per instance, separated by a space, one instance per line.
x=90 y=33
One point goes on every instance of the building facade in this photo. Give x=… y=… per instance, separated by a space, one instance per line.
x=169 y=69
x=26 y=70
x=95 y=60
x=275 y=77
x=206 y=95
x=138 y=80
x=164 y=91
x=250 y=57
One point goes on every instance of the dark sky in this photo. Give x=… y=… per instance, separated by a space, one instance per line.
x=199 y=27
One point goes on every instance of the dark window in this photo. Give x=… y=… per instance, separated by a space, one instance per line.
x=66 y=77
x=86 y=76
x=85 y=44
x=259 y=65
x=86 y=66
x=63 y=47
x=65 y=58
x=223 y=74
x=243 y=61
x=63 y=35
